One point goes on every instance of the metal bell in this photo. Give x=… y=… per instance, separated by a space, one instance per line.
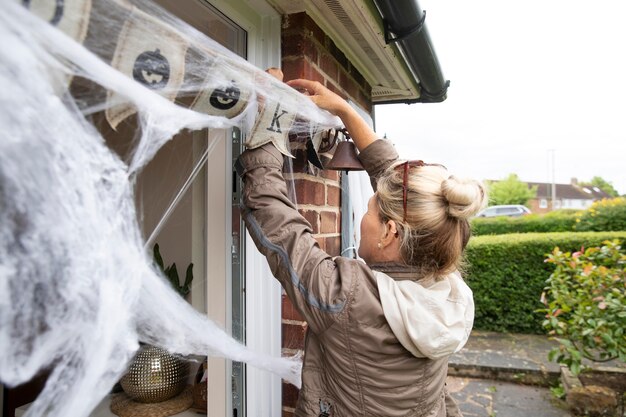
x=345 y=158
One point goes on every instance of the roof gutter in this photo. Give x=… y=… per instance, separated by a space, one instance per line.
x=404 y=24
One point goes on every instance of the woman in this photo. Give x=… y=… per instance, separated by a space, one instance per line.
x=380 y=332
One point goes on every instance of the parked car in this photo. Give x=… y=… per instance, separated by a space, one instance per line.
x=512 y=210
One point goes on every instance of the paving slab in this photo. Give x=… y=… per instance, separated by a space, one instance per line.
x=491 y=398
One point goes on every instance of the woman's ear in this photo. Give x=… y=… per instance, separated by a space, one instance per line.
x=391 y=232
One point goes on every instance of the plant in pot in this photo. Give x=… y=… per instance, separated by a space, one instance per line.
x=155 y=375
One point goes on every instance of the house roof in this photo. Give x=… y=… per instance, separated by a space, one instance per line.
x=568 y=191
x=596 y=192
x=360 y=30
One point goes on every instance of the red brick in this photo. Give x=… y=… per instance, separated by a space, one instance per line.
x=366 y=87
x=300 y=68
x=312 y=73
x=286 y=413
x=313 y=217
x=311 y=50
x=365 y=100
x=349 y=85
x=292 y=68
x=328 y=222
x=309 y=192
x=291 y=45
x=330 y=174
x=301 y=37
x=334 y=196
x=328 y=65
x=321 y=242
x=293 y=335
x=314 y=31
x=357 y=77
x=289 y=312
x=339 y=56
x=290 y=395
x=333 y=245
x=295 y=21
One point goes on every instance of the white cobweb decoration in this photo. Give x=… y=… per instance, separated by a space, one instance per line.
x=77 y=287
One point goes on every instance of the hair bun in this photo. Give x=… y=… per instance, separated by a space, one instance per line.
x=465 y=197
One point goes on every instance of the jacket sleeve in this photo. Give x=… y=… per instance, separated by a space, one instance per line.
x=309 y=275
x=377 y=157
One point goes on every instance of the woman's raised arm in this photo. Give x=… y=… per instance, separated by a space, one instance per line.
x=359 y=130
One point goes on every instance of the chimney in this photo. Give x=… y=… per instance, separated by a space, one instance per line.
x=574 y=181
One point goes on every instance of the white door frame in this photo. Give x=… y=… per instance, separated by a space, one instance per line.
x=263 y=293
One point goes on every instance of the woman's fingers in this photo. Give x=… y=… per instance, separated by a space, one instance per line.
x=275 y=72
x=308 y=86
x=320 y=95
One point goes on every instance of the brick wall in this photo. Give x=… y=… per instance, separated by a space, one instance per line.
x=307 y=52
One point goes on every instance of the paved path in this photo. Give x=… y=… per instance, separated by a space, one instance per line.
x=508 y=375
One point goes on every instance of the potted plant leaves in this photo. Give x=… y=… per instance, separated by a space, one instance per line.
x=171 y=272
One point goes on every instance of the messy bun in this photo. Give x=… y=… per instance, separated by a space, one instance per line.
x=434 y=228
x=465 y=197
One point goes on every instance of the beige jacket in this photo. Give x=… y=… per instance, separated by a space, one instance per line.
x=354 y=364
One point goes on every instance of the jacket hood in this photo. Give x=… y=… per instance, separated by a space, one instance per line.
x=430 y=318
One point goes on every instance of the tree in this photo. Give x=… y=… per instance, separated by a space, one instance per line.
x=511 y=191
x=602 y=184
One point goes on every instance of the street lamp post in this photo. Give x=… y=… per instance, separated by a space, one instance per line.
x=553 y=192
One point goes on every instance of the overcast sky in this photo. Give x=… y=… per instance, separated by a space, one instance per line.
x=529 y=79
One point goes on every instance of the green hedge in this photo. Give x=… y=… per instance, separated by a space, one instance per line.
x=554 y=221
x=507 y=274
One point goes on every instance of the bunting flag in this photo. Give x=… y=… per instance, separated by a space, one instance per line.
x=70 y=16
x=272 y=125
x=227 y=101
x=151 y=53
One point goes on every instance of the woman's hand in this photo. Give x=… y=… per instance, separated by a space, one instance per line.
x=275 y=72
x=359 y=130
x=322 y=96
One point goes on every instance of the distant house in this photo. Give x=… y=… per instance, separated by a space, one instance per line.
x=566 y=196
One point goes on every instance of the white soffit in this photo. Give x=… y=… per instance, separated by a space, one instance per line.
x=356 y=29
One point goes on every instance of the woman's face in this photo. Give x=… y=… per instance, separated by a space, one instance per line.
x=372 y=230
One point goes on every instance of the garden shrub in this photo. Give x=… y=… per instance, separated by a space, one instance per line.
x=554 y=221
x=603 y=215
x=507 y=274
x=585 y=305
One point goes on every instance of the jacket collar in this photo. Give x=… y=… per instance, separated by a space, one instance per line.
x=399 y=271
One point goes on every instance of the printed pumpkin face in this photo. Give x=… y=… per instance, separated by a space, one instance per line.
x=57 y=14
x=225 y=99
x=152 y=69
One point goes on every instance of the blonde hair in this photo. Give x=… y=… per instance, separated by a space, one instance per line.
x=438 y=207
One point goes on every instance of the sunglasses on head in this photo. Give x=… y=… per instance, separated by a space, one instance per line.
x=405 y=179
